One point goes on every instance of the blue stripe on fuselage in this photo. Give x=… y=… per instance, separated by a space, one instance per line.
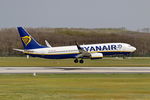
x=62 y=56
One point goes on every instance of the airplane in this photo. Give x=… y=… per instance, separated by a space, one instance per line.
x=78 y=52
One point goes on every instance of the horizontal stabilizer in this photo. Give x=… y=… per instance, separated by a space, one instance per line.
x=19 y=50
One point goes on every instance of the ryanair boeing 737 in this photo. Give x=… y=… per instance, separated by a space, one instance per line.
x=78 y=52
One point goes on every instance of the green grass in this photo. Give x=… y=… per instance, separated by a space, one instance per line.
x=75 y=87
x=109 y=62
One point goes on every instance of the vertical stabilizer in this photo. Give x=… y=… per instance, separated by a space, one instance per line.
x=27 y=40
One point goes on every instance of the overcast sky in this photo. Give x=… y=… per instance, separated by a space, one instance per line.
x=132 y=14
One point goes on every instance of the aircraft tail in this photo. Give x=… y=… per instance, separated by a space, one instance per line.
x=27 y=40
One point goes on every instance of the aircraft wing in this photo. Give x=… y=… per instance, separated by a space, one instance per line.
x=82 y=52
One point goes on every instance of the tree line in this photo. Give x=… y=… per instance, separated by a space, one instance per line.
x=9 y=38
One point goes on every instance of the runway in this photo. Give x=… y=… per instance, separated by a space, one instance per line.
x=80 y=70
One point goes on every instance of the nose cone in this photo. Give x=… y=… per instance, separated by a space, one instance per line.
x=133 y=49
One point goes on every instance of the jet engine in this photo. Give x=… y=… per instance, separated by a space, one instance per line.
x=96 y=55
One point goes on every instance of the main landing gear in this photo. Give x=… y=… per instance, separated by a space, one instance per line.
x=80 y=61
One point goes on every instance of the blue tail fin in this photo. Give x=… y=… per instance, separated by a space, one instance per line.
x=27 y=40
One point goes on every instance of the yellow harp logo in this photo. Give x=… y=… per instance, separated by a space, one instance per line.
x=26 y=39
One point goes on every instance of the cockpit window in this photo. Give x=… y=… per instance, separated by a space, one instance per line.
x=128 y=45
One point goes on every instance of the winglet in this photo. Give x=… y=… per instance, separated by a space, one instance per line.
x=78 y=46
x=47 y=44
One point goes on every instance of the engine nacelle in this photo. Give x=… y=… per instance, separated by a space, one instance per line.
x=96 y=55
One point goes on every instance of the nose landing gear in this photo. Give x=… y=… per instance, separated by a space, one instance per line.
x=80 y=61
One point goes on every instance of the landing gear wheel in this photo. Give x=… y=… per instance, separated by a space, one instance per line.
x=76 y=61
x=81 y=61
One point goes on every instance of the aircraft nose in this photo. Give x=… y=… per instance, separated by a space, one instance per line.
x=133 y=48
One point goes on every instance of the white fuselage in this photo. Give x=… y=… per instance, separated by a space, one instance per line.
x=72 y=51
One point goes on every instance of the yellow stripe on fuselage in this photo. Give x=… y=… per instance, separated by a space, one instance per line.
x=72 y=52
